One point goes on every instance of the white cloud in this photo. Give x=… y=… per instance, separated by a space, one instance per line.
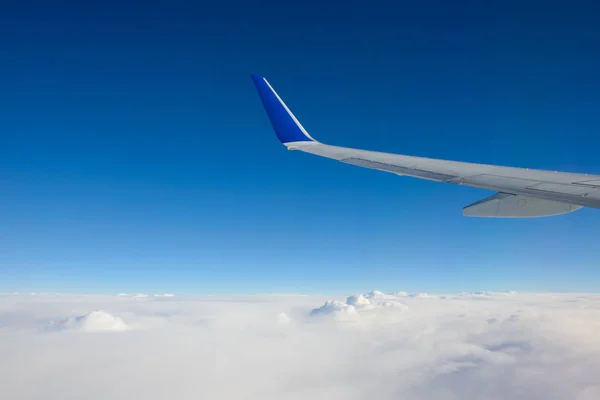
x=421 y=295
x=358 y=300
x=341 y=311
x=283 y=319
x=376 y=295
x=393 y=304
x=362 y=304
x=94 y=321
x=134 y=295
x=510 y=346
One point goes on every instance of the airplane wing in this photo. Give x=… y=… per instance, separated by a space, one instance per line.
x=522 y=192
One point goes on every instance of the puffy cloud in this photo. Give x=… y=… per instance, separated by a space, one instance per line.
x=341 y=311
x=393 y=304
x=376 y=299
x=135 y=295
x=358 y=300
x=421 y=295
x=376 y=295
x=94 y=321
x=512 y=345
x=283 y=319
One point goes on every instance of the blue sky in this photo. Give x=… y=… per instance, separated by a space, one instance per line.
x=135 y=154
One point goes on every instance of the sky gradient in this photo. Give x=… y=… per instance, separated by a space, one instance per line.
x=135 y=155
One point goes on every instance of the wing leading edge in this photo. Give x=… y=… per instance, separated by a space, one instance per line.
x=522 y=193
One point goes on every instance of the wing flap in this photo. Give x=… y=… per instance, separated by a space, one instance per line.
x=499 y=181
x=506 y=205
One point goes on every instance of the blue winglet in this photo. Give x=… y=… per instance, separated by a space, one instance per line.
x=285 y=124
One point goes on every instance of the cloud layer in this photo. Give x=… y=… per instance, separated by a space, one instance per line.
x=385 y=346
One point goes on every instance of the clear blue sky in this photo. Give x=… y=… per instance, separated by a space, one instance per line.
x=135 y=154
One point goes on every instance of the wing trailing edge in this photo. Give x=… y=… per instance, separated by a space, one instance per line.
x=506 y=205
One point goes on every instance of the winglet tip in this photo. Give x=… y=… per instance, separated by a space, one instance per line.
x=256 y=77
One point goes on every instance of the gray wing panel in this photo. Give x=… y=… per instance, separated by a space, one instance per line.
x=415 y=172
x=571 y=188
